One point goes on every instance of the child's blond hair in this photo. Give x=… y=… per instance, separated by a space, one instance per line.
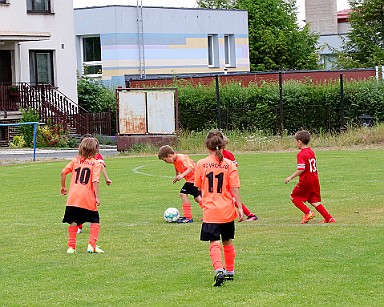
x=88 y=147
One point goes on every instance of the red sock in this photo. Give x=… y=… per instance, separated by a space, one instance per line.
x=320 y=208
x=187 y=209
x=229 y=257
x=72 y=231
x=301 y=206
x=246 y=211
x=215 y=254
x=94 y=230
x=201 y=204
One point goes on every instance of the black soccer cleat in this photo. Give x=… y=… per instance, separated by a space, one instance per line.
x=219 y=279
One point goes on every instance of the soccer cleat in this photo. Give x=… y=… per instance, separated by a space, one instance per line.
x=92 y=250
x=331 y=220
x=71 y=250
x=252 y=218
x=184 y=220
x=229 y=277
x=79 y=230
x=219 y=279
x=307 y=217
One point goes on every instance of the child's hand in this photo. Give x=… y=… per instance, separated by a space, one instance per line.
x=108 y=181
x=63 y=191
x=97 y=201
x=288 y=179
x=177 y=178
x=241 y=214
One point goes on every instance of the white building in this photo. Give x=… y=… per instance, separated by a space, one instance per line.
x=37 y=44
x=120 y=42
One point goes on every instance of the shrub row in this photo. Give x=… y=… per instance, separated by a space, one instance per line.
x=257 y=107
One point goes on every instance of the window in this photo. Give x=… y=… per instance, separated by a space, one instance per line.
x=92 y=55
x=229 y=50
x=213 y=50
x=41 y=67
x=39 y=6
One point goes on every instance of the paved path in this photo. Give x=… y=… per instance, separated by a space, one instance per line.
x=8 y=155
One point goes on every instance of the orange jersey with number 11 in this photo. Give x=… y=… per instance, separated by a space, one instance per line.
x=215 y=181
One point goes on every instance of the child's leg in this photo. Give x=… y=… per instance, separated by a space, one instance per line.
x=215 y=254
x=94 y=230
x=186 y=206
x=229 y=256
x=72 y=231
x=320 y=208
x=199 y=200
x=300 y=205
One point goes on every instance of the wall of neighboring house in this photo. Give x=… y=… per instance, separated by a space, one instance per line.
x=137 y=42
x=24 y=32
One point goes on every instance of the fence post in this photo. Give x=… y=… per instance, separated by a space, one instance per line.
x=218 y=103
x=342 y=125
x=281 y=102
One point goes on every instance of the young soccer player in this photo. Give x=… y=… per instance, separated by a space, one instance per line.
x=308 y=188
x=229 y=155
x=216 y=177
x=99 y=158
x=83 y=198
x=185 y=168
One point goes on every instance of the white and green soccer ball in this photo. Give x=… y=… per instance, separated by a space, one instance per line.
x=171 y=215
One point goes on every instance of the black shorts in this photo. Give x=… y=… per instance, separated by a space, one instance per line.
x=212 y=232
x=189 y=188
x=80 y=216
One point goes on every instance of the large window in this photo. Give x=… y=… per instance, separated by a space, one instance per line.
x=39 y=6
x=41 y=67
x=229 y=50
x=213 y=50
x=92 y=55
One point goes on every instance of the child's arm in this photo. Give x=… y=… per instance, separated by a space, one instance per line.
x=236 y=194
x=63 y=190
x=181 y=176
x=104 y=172
x=295 y=174
x=96 y=188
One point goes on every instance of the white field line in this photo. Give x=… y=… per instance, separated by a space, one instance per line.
x=136 y=170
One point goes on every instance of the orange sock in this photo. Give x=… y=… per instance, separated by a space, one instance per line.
x=187 y=209
x=72 y=231
x=94 y=230
x=215 y=254
x=229 y=256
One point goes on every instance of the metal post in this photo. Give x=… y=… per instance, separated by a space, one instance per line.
x=281 y=102
x=34 y=140
x=342 y=102
x=218 y=102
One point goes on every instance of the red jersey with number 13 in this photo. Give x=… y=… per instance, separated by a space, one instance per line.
x=306 y=161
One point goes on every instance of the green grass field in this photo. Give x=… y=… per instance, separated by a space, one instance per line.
x=148 y=262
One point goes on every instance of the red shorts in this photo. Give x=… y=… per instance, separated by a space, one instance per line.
x=306 y=194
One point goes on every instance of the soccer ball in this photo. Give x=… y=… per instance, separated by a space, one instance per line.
x=171 y=215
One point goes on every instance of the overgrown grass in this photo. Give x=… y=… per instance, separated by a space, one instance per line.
x=256 y=141
x=148 y=262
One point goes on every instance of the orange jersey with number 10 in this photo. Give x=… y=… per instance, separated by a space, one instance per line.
x=215 y=182
x=81 y=190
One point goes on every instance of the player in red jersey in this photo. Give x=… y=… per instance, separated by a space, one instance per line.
x=308 y=188
x=83 y=198
x=185 y=168
x=229 y=155
x=218 y=180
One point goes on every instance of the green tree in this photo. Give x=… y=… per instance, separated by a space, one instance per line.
x=276 y=41
x=364 y=46
x=94 y=96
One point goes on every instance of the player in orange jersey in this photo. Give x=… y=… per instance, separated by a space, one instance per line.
x=229 y=155
x=83 y=198
x=308 y=188
x=99 y=158
x=218 y=180
x=185 y=168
